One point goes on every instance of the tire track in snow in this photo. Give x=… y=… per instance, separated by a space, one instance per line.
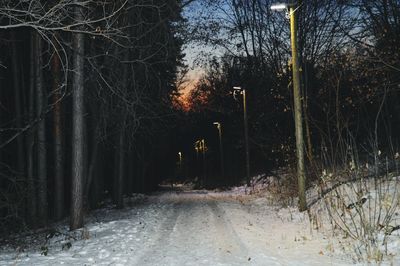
x=159 y=245
x=228 y=240
x=184 y=233
x=196 y=230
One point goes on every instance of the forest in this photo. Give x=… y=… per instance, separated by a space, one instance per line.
x=94 y=104
x=86 y=92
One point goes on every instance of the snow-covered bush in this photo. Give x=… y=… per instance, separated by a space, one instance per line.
x=363 y=207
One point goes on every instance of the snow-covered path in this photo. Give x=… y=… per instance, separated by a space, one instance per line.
x=200 y=228
x=194 y=231
x=189 y=228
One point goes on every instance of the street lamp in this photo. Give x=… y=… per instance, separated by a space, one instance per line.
x=203 y=149
x=200 y=146
x=297 y=102
x=180 y=163
x=246 y=134
x=180 y=158
x=197 y=147
x=221 y=151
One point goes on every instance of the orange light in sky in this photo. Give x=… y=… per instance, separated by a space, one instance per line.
x=191 y=80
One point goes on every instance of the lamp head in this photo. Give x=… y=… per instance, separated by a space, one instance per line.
x=283 y=6
x=279 y=7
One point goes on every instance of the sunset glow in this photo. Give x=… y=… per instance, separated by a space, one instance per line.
x=185 y=88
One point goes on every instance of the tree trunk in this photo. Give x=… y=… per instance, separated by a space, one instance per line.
x=41 y=134
x=92 y=164
x=30 y=139
x=18 y=114
x=58 y=140
x=115 y=169
x=121 y=142
x=96 y=113
x=77 y=129
x=130 y=173
x=121 y=166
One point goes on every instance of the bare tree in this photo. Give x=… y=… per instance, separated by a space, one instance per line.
x=77 y=127
x=41 y=133
x=18 y=105
x=58 y=137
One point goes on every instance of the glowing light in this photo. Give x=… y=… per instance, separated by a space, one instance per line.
x=279 y=7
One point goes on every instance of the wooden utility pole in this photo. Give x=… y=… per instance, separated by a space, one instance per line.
x=246 y=137
x=298 y=117
x=246 y=133
x=221 y=150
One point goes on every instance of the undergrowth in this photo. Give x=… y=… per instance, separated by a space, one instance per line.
x=362 y=201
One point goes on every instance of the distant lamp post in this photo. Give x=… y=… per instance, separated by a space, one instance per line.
x=246 y=134
x=221 y=150
x=200 y=146
x=297 y=102
x=180 y=163
x=203 y=149
x=197 y=147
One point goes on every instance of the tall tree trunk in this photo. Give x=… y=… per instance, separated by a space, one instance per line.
x=121 y=142
x=58 y=139
x=130 y=173
x=41 y=134
x=121 y=165
x=30 y=139
x=77 y=129
x=115 y=169
x=18 y=113
x=93 y=164
x=96 y=113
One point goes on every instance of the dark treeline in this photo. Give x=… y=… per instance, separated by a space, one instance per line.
x=85 y=104
x=88 y=90
x=349 y=53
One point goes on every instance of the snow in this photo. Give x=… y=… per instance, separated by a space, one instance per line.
x=359 y=215
x=188 y=227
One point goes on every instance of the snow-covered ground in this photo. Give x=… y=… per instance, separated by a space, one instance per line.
x=187 y=227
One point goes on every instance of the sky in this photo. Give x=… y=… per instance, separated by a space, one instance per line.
x=196 y=53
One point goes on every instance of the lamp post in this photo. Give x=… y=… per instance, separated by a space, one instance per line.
x=200 y=146
x=203 y=149
x=180 y=162
x=221 y=151
x=246 y=134
x=297 y=102
x=197 y=147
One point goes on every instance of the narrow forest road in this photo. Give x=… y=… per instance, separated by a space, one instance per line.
x=194 y=231
x=206 y=228
x=184 y=227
